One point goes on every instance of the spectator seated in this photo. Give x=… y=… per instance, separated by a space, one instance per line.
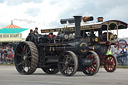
x=9 y=58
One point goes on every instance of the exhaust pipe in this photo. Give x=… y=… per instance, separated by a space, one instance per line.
x=77 y=21
x=77 y=27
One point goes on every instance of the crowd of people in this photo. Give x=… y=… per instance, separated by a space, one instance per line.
x=121 y=55
x=6 y=55
x=7 y=52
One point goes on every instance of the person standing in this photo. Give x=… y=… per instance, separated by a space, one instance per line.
x=0 y=56
x=36 y=31
x=31 y=32
x=117 y=51
x=109 y=51
x=123 y=56
x=126 y=57
x=31 y=36
x=117 y=54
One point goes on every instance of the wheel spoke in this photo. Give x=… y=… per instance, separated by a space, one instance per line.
x=19 y=54
x=24 y=48
x=71 y=64
x=29 y=57
x=110 y=64
x=28 y=52
x=21 y=47
x=65 y=67
x=28 y=64
x=67 y=70
x=23 y=62
x=23 y=70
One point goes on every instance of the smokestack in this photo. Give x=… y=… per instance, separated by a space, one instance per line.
x=76 y=20
x=77 y=27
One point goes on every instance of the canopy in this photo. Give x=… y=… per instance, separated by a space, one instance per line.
x=8 y=30
x=112 y=24
x=12 y=29
x=11 y=33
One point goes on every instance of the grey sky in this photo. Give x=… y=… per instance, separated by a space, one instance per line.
x=47 y=13
x=19 y=2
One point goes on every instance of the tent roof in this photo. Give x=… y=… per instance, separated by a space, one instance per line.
x=12 y=29
x=12 y=26
x=9 y=30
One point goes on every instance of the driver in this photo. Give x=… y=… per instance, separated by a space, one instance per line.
x=51 y=36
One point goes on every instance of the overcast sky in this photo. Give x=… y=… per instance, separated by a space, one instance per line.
x=47 y=13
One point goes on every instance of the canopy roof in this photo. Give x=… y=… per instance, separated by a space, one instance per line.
x=8 y=30
x=12 y=29
x=12 y=26
x=112 y=24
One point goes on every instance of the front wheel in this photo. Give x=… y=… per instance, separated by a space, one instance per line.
x=68 y=63
x=26 y=58
x=110 y=63
x=94 y=68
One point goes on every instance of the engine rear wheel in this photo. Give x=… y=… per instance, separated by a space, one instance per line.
x=51 y=70
x=26 y=58
x=68 y=63
x=110 y=63
x=94 y=68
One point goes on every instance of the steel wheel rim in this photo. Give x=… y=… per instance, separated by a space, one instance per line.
x=68 y=64
x=91 y=69
x=94 y=68
x=110 y=63
x=26 y=58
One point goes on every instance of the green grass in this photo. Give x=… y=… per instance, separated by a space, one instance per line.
x=120 y=66
x=7 y=64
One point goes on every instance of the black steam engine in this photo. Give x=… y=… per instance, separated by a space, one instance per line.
x=66 y=53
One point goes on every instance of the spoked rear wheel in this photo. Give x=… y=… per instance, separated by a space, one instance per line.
x=51 y=70
x=26 y=58
x=68 y=63
x=110 y=63
x=94 y=68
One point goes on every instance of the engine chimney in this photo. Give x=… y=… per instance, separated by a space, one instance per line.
x=77 y=20
x=77 y=27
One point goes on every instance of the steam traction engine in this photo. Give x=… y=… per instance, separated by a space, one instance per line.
x=58 y=54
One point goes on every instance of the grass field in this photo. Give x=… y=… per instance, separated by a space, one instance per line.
x=120 y=66
x=8 y=64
